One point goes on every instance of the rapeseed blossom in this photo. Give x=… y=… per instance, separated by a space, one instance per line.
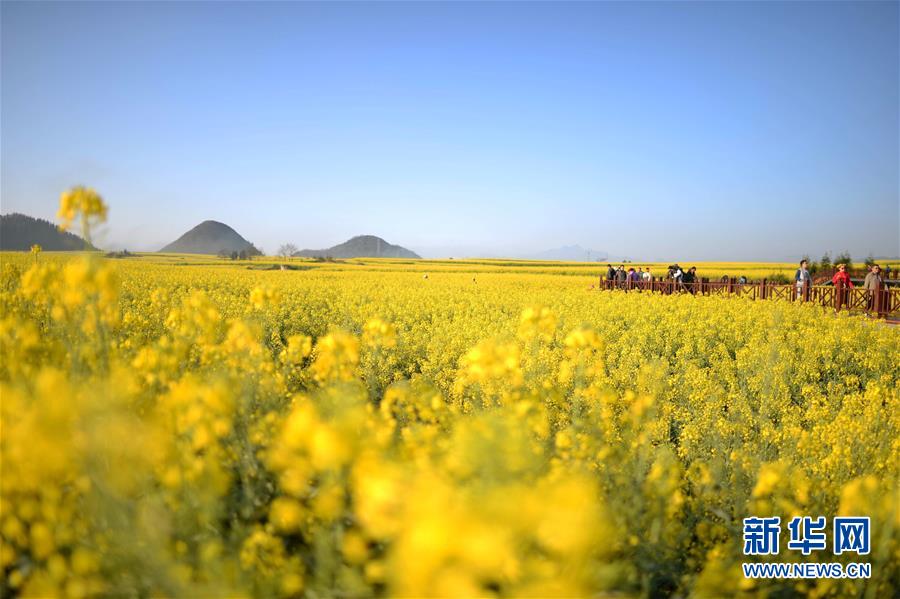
x=190 y=431
x=81 y=203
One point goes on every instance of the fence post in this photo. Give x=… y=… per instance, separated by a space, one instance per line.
x=805 y=291
x=878 y=303
x=838 y=295
x=762 y=289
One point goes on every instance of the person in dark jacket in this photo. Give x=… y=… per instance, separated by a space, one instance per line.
x=610 y=273
x=689 y=278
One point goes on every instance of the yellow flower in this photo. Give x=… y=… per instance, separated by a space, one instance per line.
x=286 y=514
x=262 y=297
x=81 y=202
x=298 y=348
x=516 y=438
x=377 y=333
x=336 y=357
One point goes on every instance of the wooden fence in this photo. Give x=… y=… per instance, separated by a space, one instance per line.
x=883 y=302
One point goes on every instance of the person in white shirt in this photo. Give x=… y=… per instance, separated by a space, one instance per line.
x=678 y=277
x=646 y=274
x=802 y=278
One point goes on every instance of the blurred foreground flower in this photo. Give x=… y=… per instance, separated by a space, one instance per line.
x=84 y=203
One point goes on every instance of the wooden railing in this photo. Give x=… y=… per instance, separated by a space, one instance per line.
x=824 y=276
x=883 y=302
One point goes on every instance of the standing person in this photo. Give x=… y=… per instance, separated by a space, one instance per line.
x=841 y=280
x=689 y=278
x=887 y=272
x=610 y=273
x=802 y=279
x=620 y=275
x=872 y=283
x=678 y=276
x=646 y=276
x=842 y=276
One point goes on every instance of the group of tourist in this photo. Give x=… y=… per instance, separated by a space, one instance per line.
x=872 y=281
x=620 y=275
x=682 y=278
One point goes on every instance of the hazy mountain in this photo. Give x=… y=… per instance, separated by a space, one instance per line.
x=20 y=232
x=210 y=237
x=362 y=246
x=570 y=253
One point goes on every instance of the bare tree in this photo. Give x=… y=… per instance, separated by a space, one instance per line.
x=287 y=250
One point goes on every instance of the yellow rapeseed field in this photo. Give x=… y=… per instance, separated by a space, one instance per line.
x=187 y=427
x=590 y=271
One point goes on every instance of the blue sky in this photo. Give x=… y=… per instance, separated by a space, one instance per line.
x=718 y=131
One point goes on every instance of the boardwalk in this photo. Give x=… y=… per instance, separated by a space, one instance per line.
x=884 y=303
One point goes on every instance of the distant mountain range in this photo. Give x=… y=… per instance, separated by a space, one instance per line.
x=362 y=246
x=19 y=232
x=211 y=237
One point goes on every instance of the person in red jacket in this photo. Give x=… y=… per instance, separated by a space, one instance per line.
x=841 y=280
x=841 y=275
